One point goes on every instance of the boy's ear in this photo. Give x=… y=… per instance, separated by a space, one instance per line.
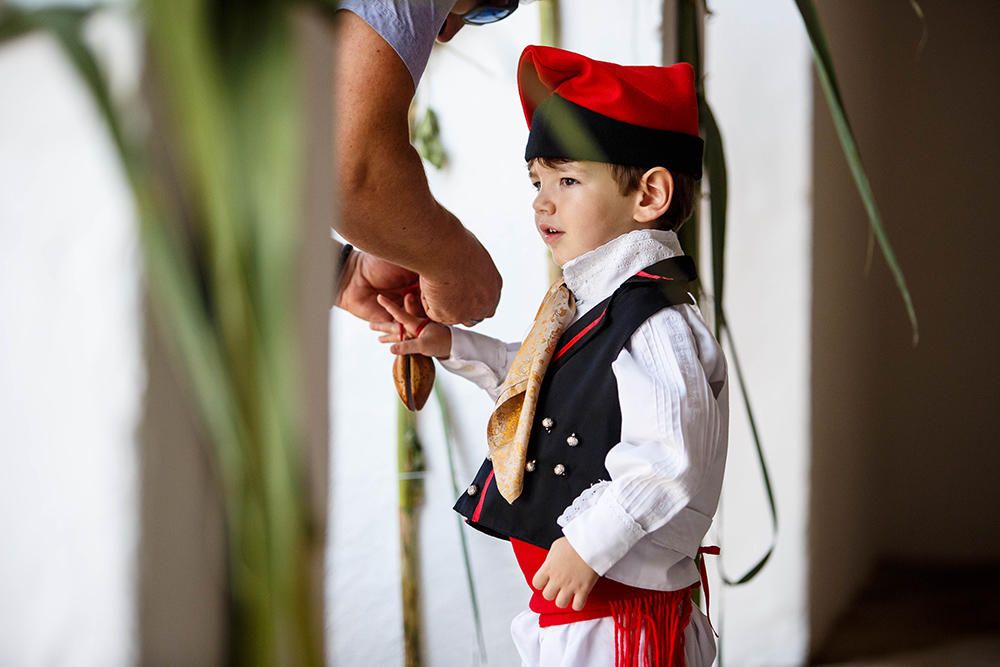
x=656 y=190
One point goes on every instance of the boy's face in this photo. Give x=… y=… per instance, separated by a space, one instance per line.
x=579 y=207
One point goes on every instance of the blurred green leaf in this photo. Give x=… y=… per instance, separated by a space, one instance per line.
x=427 y=139
x=228 y=80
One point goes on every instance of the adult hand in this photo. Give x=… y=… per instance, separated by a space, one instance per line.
x=564 y=576
x=411 y=333
x=467 y=290
x=366 y=277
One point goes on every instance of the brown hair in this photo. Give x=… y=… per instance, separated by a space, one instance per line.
x=629 y=178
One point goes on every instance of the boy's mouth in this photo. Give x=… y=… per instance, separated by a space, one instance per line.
x=549 y=233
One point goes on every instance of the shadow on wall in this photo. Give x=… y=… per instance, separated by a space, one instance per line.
x=904 y=459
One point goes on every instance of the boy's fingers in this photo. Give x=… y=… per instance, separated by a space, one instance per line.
x=539 y=580
x=563 y=599
x=579 y=600
x=397 y=313
x=551 y=591
x=405 y=347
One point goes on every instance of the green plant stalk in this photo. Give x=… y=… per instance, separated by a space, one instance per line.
x=549 y=33
x=450 y=446
x=689 y=50
x=831 y=91
x=410 y=464
x=718 y=188
x=689 y=47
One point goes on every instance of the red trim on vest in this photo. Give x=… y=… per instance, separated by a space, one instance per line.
x=653 y=621
x=643 y=274
x=575 y=339
x=482 y=498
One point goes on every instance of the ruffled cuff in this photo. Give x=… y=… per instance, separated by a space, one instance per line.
x=603 y=532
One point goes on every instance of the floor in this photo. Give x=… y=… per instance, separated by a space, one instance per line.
x=921 y=616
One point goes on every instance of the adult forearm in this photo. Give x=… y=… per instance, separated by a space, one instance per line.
x=387 y=210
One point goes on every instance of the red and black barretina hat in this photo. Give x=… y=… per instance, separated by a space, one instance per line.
x=584 y=109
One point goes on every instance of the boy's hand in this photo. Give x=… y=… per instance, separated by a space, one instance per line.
x=428 y=338
x=564 y=576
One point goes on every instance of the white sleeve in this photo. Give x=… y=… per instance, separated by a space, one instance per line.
x=408 y=26
x=480 y=359
x=670 y=433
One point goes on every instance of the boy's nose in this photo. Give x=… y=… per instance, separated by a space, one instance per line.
x=543 y=204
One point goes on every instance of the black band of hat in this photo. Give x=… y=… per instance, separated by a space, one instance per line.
x=563 y=129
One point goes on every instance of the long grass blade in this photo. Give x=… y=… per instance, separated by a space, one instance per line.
x=761 y=462
x=689 y=49
x=718 y=193
x=831 y=90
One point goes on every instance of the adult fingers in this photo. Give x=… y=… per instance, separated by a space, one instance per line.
x=413 y=305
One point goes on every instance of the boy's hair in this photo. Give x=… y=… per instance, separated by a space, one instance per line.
x=629 y=177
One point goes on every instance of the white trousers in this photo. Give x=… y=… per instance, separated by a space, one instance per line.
x=592 y=643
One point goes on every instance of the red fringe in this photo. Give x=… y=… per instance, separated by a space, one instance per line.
x=660 y=619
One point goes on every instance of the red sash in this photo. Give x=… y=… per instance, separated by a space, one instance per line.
x=659 y=618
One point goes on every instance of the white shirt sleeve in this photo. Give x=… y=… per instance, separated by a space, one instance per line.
x=480 y=359
x=667 y=389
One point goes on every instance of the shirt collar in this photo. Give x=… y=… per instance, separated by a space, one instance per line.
x=596 y=274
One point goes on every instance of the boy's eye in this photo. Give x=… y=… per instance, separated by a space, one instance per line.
x=565 y=180
x=537 y=185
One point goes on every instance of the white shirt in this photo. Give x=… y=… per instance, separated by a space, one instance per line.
x=644 y=525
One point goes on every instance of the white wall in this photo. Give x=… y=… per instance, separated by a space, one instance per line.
x=757 y=67
x=70 y=373
x=70 y=367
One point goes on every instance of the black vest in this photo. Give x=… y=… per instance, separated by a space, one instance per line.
x=578 y=418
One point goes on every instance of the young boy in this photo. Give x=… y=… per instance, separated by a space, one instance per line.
x=608 y=440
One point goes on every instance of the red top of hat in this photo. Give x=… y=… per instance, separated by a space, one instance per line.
x=661 y=98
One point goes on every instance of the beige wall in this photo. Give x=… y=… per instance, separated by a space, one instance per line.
x=904 y=451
